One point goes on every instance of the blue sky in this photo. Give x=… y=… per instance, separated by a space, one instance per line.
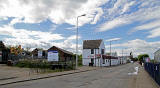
x=44 y=23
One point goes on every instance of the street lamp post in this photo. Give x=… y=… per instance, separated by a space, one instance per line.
x=77 y=41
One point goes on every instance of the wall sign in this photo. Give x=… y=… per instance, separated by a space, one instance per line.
x=53 y=55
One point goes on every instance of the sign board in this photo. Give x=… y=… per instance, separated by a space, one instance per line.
x=0 y=56
x=39 y=54
x=53 y=55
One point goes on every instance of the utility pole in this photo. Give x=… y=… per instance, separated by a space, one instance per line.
x=111 y=52
x=110 y=55
x=122 y=56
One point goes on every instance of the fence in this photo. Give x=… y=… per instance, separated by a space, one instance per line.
x=153 y=70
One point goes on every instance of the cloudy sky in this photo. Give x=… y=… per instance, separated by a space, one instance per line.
x=135 y=24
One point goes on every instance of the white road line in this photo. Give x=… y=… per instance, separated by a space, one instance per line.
x=134 y=73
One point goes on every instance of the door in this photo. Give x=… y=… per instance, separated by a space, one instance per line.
x=92 y=60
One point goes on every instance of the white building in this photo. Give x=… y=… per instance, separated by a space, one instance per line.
x=110 y=60
x=157 y=55
x=123 y=59
x=92 y=52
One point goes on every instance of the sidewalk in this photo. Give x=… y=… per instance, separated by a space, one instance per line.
x=143 y=80
x=46 y=75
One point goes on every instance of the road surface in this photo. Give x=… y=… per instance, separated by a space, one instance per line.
x=107 y=77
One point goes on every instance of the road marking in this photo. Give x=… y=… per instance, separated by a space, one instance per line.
x=134 y=73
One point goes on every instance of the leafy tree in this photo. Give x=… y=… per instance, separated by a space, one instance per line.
x=141 y=57
x=80 y=60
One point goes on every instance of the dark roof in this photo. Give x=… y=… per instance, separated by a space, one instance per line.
x=91 y=44
x=65 y=51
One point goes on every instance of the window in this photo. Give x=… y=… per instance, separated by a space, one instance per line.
x=92 y=51
x=103 y=61
x=102 y=51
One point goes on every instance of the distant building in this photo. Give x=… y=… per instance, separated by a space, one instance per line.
x=157 y=55
x=123 y=59
x=63 y=55
x=110 y=60
x=93 y=50
x=112 y=54
x=39 y=53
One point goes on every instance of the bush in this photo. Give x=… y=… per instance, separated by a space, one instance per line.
x=33 y=64
x=43 y=64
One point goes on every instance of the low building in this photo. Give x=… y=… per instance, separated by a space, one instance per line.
x=112 y=54
x=92 y=52
x=109 y=60
x=157 y=56
x=124 y=59
x=63 y=55
x=39 y=53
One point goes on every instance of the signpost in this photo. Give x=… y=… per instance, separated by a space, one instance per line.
x=53 y=55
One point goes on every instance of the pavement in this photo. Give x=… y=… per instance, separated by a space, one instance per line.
x=144 y=80
x=110 y=77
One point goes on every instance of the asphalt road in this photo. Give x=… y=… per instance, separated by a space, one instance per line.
x=107 y=77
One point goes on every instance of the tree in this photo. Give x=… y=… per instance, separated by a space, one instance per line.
x=141 y=57
x=80 y=60
x=2 y=46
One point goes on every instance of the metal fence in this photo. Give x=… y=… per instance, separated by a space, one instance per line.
x=154 y=71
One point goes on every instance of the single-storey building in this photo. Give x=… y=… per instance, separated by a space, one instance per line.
x=107 y=59
x=39 y=53
x=63 y=55
x=92 y=52
x=123 y=59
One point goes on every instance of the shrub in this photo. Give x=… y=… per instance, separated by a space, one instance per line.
x=33 y=64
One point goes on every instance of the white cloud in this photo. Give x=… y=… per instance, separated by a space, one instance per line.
x=113 y=39
x=154 y=33
x=58 y=11
x=127 y=6
x=25 y=37
x=136 y=46
x=112 y=24
x=73 y=37
x=116 y=15
x=152 y=27
x=97 y=16
x=148 y=26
